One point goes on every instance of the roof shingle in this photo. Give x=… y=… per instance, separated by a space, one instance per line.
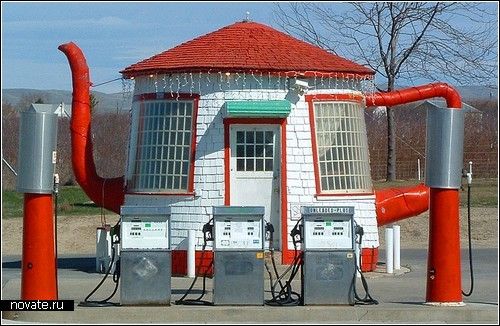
x=246 y=47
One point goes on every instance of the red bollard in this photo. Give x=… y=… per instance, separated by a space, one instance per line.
x=38 y=278
x=443 y=264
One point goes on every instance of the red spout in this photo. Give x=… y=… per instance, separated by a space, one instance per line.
x=394 y=204
x=107 y=193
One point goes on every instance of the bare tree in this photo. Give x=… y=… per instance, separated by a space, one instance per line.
x=30 y=98
x=415 y=41
x=94 y=102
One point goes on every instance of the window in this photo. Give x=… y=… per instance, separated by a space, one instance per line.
x=342 y=148
x=163 y=146
x=254 y=151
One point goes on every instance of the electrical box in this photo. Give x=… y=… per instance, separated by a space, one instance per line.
x=37 y=149
x=329 y=264
x=238 y=255
x=145 y=255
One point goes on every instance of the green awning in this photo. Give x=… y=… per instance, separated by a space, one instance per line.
x=258 y=109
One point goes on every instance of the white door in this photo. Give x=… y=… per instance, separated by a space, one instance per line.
x=255 y=170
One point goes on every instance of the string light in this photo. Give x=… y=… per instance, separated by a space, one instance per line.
x=236 y=79
x=192 y=84
x=228 y=78
x=261 y=84
x=220 y=82
x=255 y=78
x=171 y=86
x=199 y=83
x=178 y=87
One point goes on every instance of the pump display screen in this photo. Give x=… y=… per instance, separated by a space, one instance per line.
x=238 y=234
x=138 y=234
x=328 y=233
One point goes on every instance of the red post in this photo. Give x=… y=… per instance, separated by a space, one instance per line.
x=443 y=264
x=38 y=279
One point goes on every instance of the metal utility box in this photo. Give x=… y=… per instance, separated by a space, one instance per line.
x=37 y=149
x=238 y=255
x=444 y=148
x=145 y=256
x=329 y=264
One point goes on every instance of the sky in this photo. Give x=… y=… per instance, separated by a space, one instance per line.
x=112 y=36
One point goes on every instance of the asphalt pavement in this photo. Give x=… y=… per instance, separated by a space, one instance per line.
x=400 y=297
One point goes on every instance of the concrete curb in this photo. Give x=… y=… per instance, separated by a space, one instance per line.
x=477 y=313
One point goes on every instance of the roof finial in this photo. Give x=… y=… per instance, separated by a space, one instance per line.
x=247 y=18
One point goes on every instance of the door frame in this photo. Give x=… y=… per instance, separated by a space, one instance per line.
x=286 y=254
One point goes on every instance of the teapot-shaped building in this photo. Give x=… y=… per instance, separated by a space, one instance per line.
x=246 y=116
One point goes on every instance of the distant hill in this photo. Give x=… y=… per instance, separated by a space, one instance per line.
x=478 y=93
x=116 y=102
x=106 y=102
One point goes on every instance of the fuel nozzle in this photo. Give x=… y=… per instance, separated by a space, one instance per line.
x=269 y=231
x=208 y=234
x=296 y=232
x=56 y=183
x=115 y=233
x=359 y=231
x=468 y=174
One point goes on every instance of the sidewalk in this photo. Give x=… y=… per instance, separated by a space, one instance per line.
x=400 y=297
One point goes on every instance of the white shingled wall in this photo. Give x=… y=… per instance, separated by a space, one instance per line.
x=190 y=212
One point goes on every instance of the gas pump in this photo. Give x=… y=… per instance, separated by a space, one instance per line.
x=238 y=255
x=145 y=256
x=329 y=264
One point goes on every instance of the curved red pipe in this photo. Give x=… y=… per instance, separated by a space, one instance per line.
x=107 y=193
x=418 y=93
x=394 y=204
x=443 y=261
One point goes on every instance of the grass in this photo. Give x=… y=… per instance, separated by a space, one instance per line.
x=484 y=192
x=73 y=201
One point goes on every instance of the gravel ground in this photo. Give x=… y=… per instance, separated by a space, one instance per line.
x=76 y=234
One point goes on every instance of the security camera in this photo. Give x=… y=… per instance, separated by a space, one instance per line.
x=299 y=85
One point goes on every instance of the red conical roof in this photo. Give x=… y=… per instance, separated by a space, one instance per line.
x=247 y=47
